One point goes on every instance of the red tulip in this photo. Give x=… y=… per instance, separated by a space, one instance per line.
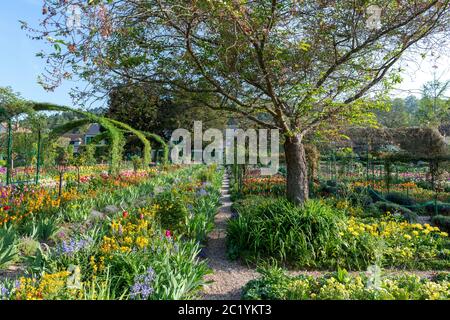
x=125 y=214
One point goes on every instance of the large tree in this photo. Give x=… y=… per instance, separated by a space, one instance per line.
x=396 y=115
x=147 y=109
x=434 y=106
x=303 y=63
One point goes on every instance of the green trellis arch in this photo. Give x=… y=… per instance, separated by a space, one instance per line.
x=162 y=143
x=115 y=135
x=112 y=132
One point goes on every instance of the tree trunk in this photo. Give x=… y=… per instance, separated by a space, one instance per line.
x=297 y=170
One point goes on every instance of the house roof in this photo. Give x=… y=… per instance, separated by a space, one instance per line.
x=93 y=129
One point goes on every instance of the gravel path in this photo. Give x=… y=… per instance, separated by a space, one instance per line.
x=228 y=276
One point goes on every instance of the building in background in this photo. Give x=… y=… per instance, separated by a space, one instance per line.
x=79 y=137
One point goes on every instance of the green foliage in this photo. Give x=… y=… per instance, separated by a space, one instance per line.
x=8 y=249
x=147 y=147
x=400 y=198
x=433 y=107
x=305 y=236
x=145 y=108
x=68 y=126
x=87 y=155
x=201 y=220
x=207 y=174
x=443 y=222
x=394 y=208
x=172 y=212
x=276 y=285
x=28 y=246
x=318 y=235
x=114 y=134
x=46 y=228
x=11 y=104
x=162 y=143
x=137 y=162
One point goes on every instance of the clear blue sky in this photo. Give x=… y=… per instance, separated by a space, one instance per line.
x=19 y=68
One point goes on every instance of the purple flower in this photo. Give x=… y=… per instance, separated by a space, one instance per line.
x=4 y=292
x=70 y=247
x=202 y=192
x=142 y=288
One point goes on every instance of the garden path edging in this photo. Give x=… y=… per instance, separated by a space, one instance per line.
x=228 y=277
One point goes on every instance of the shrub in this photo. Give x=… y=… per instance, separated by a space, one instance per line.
x=138 y=162
x=441 y=276
x=207 y=174
x=172 y=212
x=424 y=184
x=372 y=210
x=441 y=208
x=8 y=249
x=28 y=246
x=273 y=186
x=400 y=198
x=443 y=222
x=319 y=236
x=46 y=228
x=392 y=207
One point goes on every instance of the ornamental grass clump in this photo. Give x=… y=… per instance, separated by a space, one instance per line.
x=307 y=236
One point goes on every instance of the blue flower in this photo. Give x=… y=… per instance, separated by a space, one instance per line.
x=142 y=288
x=4 y=292
x=72 y=246
x=202 y=192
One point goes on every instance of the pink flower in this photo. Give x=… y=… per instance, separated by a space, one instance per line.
x=168 y=234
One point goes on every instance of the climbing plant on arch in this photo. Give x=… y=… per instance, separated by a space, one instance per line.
x=162 y=143
x=114 y=132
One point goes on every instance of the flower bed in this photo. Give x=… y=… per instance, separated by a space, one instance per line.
x=273 y=186
x=128 y=252
x=275 y=285
x=320 y=236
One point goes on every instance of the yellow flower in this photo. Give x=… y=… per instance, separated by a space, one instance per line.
x=141 y=242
